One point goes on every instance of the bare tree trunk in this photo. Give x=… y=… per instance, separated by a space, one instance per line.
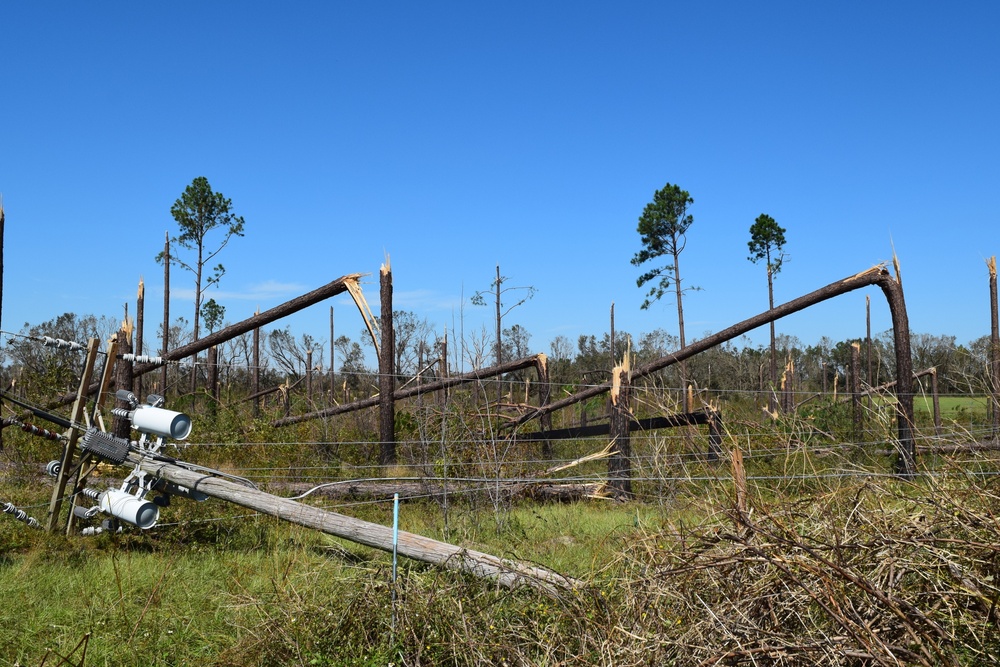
x=387 y=373
x=772 y=403
x=936 y=401
x=124 y=379
x=309 y=376
x=714 y=434
x=869 y=378
x=686 y=405
x=620 y=462
x=256 y=370
x=544 y=397
x=213 y=374
x=856 y=391
x=614 y=356
x=333 y=366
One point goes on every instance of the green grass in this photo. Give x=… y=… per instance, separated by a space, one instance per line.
x=674 y=577
x=960 y=409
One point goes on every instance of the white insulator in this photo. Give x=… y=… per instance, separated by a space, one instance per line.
x=60 y=343
x=92 y=493
x=143 y=359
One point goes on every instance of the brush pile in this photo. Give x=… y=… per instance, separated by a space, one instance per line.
x=878 y=573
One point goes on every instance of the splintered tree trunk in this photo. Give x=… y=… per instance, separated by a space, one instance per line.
x=714 y=434
x=620 y=463
x=124 y=379
x=856 y=390
x=256 y=372
x=387 y=373
x=544 y=397
x=309 y=376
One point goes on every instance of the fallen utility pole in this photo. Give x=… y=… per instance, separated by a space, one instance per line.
x=510 y=574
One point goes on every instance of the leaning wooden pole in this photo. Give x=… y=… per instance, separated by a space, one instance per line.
x=505 y=572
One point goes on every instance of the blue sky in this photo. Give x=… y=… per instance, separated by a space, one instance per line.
x=453 y=137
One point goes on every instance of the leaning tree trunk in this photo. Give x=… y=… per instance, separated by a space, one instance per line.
x=399 y=394
x=331 y=289
x=878 y=275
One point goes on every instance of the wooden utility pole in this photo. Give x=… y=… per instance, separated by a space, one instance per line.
x=994 y=348
x=69 y=451
x=256 y=369
x=510 y=574
x=333 y=366
x=387 y=372
x=140 y=308
x=856 y=390
x=166 y=313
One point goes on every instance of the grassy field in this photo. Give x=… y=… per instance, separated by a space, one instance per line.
x=830 y=560
x=825 y=569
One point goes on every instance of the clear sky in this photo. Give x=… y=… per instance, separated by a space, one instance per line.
x=453 y=137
